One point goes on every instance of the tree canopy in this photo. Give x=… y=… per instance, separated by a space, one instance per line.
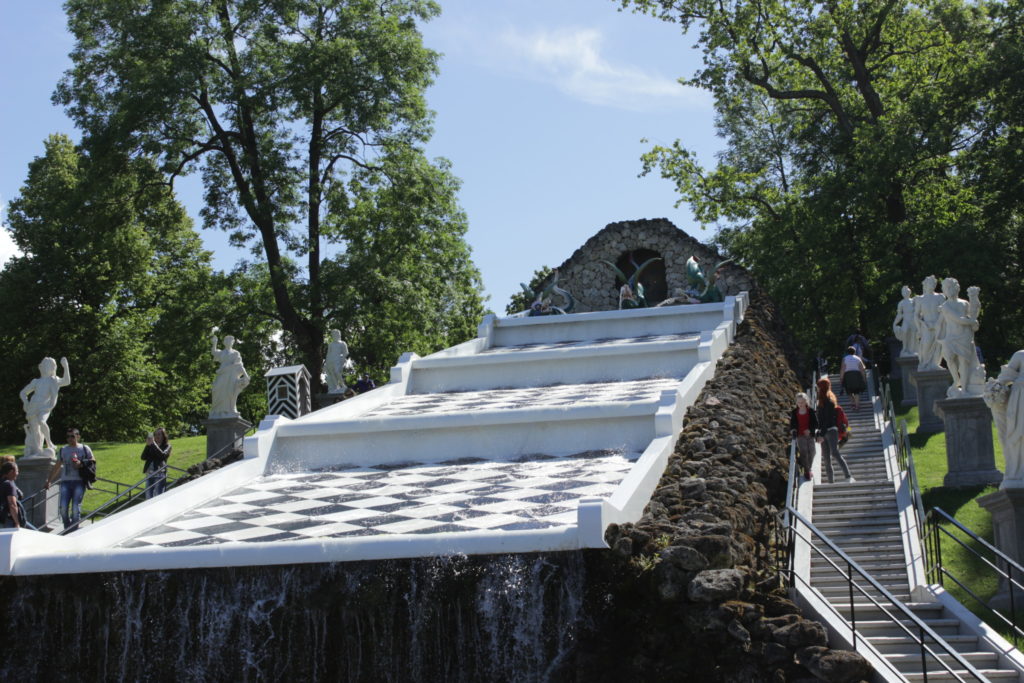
x=861 y=141
x=307 y=120
x=113 y=277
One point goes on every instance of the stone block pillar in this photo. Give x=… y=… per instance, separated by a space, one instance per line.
x=33 y=471
x=970 y=457
x=931 y=387
x=222 y=431
x=1007 y=509
x=894 y=346
x=907 y=366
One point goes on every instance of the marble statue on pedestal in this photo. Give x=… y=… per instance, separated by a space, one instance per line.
x=230 y=380
x=1005 y=398
x=904 y=327
x=336 y=364
x=956 y=340
x=926 y=310
x=38 y=398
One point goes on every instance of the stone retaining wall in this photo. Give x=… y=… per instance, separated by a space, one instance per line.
x=693 y=593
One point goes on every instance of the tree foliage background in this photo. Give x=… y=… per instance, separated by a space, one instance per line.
x=307 y=121
x=868 y=144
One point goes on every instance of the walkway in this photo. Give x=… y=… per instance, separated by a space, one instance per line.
x=862 y=518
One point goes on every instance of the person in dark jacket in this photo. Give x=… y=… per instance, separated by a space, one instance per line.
x=828 y=430
x=803 y=425
x=156 y=454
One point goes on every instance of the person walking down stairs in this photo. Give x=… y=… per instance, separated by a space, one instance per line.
x=803 y=425
x=828 y=430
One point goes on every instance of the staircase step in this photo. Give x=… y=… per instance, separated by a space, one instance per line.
x=912 y=663
x=943 y=677
x=886 y=628
x=890 y=645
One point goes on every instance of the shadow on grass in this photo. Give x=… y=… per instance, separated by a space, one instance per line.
x=949 y=499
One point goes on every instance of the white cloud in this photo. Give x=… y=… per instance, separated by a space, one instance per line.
x=571 y=60
x=7 y=247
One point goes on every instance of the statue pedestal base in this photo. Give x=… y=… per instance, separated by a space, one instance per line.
x=324 y=400
x=894 y=346
x=222 y=432
x=1007 y=509
x=33 y=471
x=931 y=387
x=970 y=458
x=907 y=367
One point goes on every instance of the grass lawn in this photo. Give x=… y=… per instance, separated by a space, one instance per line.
x=930 y=460
x=119 y=462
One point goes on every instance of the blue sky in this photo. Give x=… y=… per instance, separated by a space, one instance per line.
x=541 y=107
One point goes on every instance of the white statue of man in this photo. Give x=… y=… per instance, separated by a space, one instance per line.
x=230 y=380
x=956 y=338
x=336 y=364
x=1005 y=398
x=926 y=308
x=38 y=398
x=905 y=324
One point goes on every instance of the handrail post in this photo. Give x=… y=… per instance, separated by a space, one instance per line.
x=853 y=613
x=939 y=570
x=924 y=656
x=1013 y=611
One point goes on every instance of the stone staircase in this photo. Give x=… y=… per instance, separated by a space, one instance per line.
x=862 y=519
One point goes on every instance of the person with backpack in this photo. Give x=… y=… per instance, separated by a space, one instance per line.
x=828 y=430
x=76 y=466
x=854 y=375
x=156 y=454
x=860 y=344
x=10 y=504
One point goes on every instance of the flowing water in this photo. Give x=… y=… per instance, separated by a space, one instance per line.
x=508 y=617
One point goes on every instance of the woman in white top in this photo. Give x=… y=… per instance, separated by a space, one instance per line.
x=855 y=376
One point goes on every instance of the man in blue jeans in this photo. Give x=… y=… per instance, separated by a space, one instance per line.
x=72 y=487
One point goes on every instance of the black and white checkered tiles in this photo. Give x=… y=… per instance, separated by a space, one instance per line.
x=613 y=341
x=533 y=492
x=561 y=395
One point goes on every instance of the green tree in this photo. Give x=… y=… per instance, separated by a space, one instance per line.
x=845 y=124
x=110 y=268
x=307 y=119
x=521 y=301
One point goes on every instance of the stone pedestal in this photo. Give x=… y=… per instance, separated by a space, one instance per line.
x=931 y=387
x=894 y=346
x=907 y=367
x=1007 y=509
x=33 y=471
x=324 y=400
x=222 y=431
x=970 y=458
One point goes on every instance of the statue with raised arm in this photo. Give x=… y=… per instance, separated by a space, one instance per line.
x=336 y=363
x=1005 y=398
x=926 y=308
x=905 y=324
x=230 y=380
x=38 y=398
x=956 y=339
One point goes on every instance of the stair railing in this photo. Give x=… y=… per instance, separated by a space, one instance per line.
x=904 y=454
x=932 y=647
x=997 y=562
x=119 y=500
x=131 y=496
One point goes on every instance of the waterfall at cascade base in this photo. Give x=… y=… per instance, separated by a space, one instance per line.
x=512 y=617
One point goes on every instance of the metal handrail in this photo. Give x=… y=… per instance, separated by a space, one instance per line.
x=920 y=632
x=103 y=509
x=937 y=571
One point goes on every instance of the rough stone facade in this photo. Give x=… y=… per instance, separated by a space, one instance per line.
x=594 y=284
